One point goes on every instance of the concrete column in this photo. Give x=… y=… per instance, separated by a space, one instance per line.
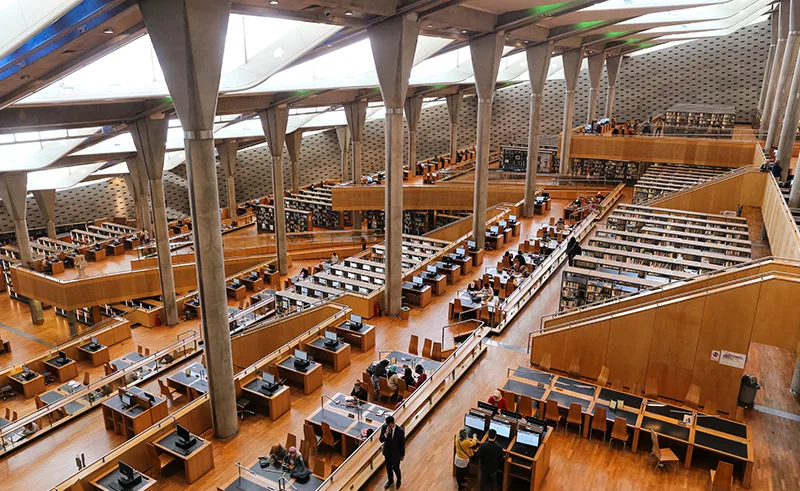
x=356 y=114
x=788 y=134
x=453 y=108
x=138 y=185
x=393 y=45
x=485 y=52
x=150 y=138
x=227 y=157
x=46 y=199
x=596 y=62
x=189 y=39
x=785 y=77
x=795 y=388
x=538 y=64
x=572 y=67
x=777 y=64
x=413 y=109
x=274 y=121
x=775 y=21
x=294 y=141
x=72 y=322
x=343 y=135
x=14 y=191
x=613 y=64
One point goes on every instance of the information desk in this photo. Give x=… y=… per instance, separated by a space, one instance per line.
x=438 y=282
x=197 y=379
x=147 y=410
x=62 y=371
x=338 y=356
x=97 y=355
x=197 y=460
x=348 y=422
x=417 y=294
x=309 y=379
x=276 y=403
x=110 y=482
x=363 y=338
x=27 y=387
x=451 y=271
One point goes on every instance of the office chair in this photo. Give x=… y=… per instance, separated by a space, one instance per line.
x=551 y=412
x=574 y=416
x=722 y=477
x=48 y=378
x=619 y=432
x=664 y=455
x=241 y=407
x=6 y=392
x=599 y=421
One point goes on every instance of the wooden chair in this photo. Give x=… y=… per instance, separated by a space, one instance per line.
x=710 y=408
x=525 y=406
x=619 y=432
x=544 y=363
x=328 y=438
x=692 y=398
x=8 y=414
x=599 y=422
x=436 y=351
x=427 y=347
x=166 y=391
x=574 y=416
x=636 y=389
x=651 y=387
x=537 y=248
x=193 y=393
x=14 y=416
x=455 y=308
x=291 y=441
x=158 y=461
x=147 y=352
x=602 y=379
x=574 y=369
x=497 y=286
x=722 y=477
x=366 y=381
x=511 y=401
x=402 y=389
x=552 y=221
x=311 y=438
x=39 y=402
x=319 y=469
x=86 y=379
x=551 y=412
x=413 y=345
x=383 y=388
x=616 y=384
x=305 y=447
x=139 y=349
x=664 y=455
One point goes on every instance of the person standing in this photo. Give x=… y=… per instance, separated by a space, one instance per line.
x=393 y=438
x=465 y=449
x=490 y=456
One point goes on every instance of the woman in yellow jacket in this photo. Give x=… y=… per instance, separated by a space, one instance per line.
x=465 y=448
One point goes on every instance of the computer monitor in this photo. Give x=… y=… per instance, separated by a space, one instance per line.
x=62 y=357
x=183 y=433
x=502 y=223
x=335 y=284
x=300 y=355
x=512 y=218
x=461 y=252
x=474 y=422
x=540 y=424
x=267 y=378
x=502 y=428
x=331 y=336
x=510 y=414
x=494 y=230
x=127 y=399
x=349 y=287
x=304 y=291
x=417 y=280
x=26 y=371
x=355 y=319
x=431 y=269
x=529 y=438
x=471 y=244
x=487 y=407
x=363 y=290
x=352 y=276
x=128 y=474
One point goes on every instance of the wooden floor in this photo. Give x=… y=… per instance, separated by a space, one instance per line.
x=576 y=463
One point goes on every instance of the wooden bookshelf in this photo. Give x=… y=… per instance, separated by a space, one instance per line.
x=660 y=179
x=296 y=220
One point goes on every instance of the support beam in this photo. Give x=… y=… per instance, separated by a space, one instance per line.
x=14 y=191
x=777 y=64
x=274 y=121
x=227 y=156
x=393 y=45
x=539 y=57
x=785 y=78
x=356 y=114
x=572 y=67
x=343 y=135
x=413 y=109
x=596 y=63
x=189 y=40
x=150 y=138
x=46 y=199
x=485 y=52
x=775 y=23
x=294 y=141
x=454 y=102
x=138 y=185
x=789 y=133
x=613 y=64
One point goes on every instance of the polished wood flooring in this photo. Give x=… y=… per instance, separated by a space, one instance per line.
x=576 y=463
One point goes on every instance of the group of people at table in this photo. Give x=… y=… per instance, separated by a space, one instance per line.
x=393 y=373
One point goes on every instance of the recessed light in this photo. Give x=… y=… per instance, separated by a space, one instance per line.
x=278 y=52
x=526 y=42
x=330 y=46
x=108 y=30
x=464 y=31
x=430 y=26
x=273 y=2
x=25 y=77
x=348 y=13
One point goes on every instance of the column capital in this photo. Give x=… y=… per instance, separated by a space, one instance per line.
x=454 y=102
x=413 y=109
x=150 y=139
x=486 y=52
x=394 y=43
x=539 y=56
x=356 y=114
x=274 y=121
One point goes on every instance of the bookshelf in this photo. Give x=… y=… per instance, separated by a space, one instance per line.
x=699 y=120
x=296 y=220
x=621 y=170
x=5 y=263
x=660 y=179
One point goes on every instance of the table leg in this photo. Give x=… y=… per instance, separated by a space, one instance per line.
x=635 y=444
x=689 y=451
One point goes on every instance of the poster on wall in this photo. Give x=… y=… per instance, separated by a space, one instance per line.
x=732 y=359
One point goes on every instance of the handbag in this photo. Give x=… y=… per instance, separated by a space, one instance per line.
x=301 y=474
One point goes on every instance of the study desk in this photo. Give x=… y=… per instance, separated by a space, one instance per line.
x=96 y=254
x=244 y=484
x=309 y=379
x=437 y=282
x=401 y=358
x=464 y=261
x=62 y=371
x=253 y=282
x=527 y=463
x=110 y=482
x=117 y=249
x=364 y=337
x=274 y=472
x=452 y=271
x=477 y=256
x=515 y=228
x=276 y=402
x=27 y=387
x=97 y=355
x=339 y=356
x=197 y=379
x=130 y=421
x=197 y=460
x=420 y=296
x=131 y=243
x=57 y=267
x=235 y=291
x=494 y=241
x=272 y=278
x=344 y=420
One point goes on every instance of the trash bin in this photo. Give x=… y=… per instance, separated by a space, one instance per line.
x=747 y=391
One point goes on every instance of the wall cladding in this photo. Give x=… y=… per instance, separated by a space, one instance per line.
x=726 y=70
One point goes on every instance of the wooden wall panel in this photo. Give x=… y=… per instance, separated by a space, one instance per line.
x=628 y=349
x=775 y=322
x=439 y=197
x=588 y=346
x=555 y=345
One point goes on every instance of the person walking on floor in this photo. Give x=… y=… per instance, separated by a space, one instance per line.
x=490 y=456
x=393 y=438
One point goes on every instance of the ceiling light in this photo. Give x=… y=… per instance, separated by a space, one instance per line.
x=430 y=26
x=273 y=2
x=330 y=46
x=66 y=90
x=278 y=52
x=348 y=13
x=108 y=30
x=25 y=77
x=464 y=31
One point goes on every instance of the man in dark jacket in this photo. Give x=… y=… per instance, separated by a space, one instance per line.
x=491 y=456
x=394 y=450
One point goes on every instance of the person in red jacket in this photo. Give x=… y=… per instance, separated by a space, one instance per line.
x=497 y=400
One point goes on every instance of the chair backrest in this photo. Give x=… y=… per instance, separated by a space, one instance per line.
x=305 y=447
x=544 y=363
x=155 y=461
x=551 y=410
x=366 y=380
x=164 y=391
x=636 y=389
x=620 y=429
x=511 y=400
x=319 y=469
x=574 y=369
x=327 y=435
x=402 y=386
x=139 y=349
x=723 y=478
x=86 y=378
x=383 y=387
x=427 y=346
x=537 y=247
x=692 y=398
x=574 y=413
x=656 y=447
x=651 y=386
x=291 y=440
x=39 y=403
x=602 y=379
x=496 y=284
x=599 y=419
x=616 y=384
x=413 y=345
x=436 y=351
x=525 y=406
x=14 y=416
x=147 y=352
x=308 y=433
x=710 y=407
x=457 y=306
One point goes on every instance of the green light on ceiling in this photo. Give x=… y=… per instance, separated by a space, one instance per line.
x=646 y=45
x=543 y=9
x=302 y=92
x=588 y=24
x=614 y=34
x=633 y=40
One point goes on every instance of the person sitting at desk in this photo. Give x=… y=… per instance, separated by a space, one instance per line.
x=486 y=292
x=497 y=400
x=465 y=449
x=359 y=391
x=393 y=379
x=521 y=259
x=421 y=375
x=294 y=459
x=334 y=257
x=277 y=452
x=303 y=274
x=473 y=286
x=380 y=371
x=30 y=429
x=408 y=376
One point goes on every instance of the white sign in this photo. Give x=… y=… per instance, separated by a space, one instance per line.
x=714 y=355
x=732 y=359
